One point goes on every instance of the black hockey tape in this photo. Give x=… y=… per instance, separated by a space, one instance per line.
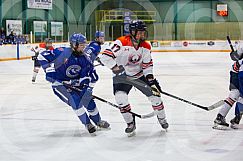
x=229 y=41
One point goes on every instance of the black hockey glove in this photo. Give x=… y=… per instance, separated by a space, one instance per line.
x=118 y=70
x=34 y=57
x=234 y=56
x=154 y=84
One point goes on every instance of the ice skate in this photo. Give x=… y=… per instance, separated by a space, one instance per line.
x=33 y=79
x=220 y=123
x=103 y=125
x=235 y=122
x=163 y=123
x=130 y=130
x=91 y=129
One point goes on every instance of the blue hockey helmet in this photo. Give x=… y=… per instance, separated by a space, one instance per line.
x=77 y=38
x=99 y=34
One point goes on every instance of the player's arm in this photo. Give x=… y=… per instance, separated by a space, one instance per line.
x=147 y=63
x=147 y=66
x=108 y=57
x=46 y=60
x=238 y=54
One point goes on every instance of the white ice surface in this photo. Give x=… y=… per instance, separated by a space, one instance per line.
x=36 y=126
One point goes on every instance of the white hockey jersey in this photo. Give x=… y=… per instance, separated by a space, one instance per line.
x=137 y=62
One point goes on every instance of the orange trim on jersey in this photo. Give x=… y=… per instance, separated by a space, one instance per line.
x=43 y=45
x=145 y=45
x=146 y=65
x=109 y=53
x=127 y=41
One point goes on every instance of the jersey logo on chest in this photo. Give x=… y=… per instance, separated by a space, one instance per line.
x=73 y=71
x=134 y=59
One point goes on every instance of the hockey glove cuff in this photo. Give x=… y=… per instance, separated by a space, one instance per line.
x=118 y=70
x=154 y=84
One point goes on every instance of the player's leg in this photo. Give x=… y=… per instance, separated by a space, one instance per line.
x=121 y=88
x=155 y=100
x=220 y=122
x=72 y=99
x=36 y=70
x=238 y=114
x=239 y=105
x=88 y=102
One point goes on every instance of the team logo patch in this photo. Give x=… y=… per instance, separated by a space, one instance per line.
x=73 y=71
x=134 y=59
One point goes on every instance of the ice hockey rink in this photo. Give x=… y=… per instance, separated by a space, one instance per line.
x=36 y=125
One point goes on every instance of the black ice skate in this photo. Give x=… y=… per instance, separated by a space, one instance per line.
x=103 y=124
x=91 y=128
x=163 y=122
x=235 y=122
x=33 y=79
x=220 y=123
x=130 y=130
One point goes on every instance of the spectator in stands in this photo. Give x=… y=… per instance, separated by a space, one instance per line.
x=11 y=38
x=2 y=32
x=2 y=36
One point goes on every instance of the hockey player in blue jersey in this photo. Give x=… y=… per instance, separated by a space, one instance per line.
x=94 y=47
x=74 y=68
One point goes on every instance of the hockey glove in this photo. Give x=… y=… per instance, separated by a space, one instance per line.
x=234 y=56
x=118 y=70
x=34 y=57
x=154 y=84
x=57 y=83
x=78 y=82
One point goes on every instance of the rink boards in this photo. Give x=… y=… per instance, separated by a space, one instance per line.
x=23 y=51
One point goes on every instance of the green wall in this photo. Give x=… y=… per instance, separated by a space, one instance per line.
x=175 y=19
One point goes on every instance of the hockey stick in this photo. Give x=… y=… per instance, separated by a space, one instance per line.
x=231 y=46
x=110 y=103
x=97 y=65
x=215 y=105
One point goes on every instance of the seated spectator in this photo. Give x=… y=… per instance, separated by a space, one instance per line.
x=2 y=32
x=11 y=38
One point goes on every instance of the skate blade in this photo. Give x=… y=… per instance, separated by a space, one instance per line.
x=220 y=127
x=102 y=129
x=93 y=134
x=131 y=134
x=235 y=127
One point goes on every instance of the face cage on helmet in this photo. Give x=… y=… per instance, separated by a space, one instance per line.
x=74 y=47
x=134 y=36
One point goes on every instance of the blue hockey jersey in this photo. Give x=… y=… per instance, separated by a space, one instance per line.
x=61 y=65
x=92 y=50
